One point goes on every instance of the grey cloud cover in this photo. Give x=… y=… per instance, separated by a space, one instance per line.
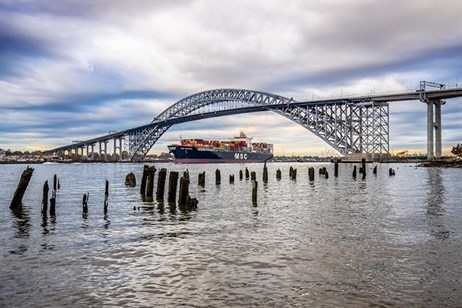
x=75 y=69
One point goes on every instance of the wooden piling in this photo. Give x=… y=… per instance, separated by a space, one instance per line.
x=201 y=179
x=391 y=172
x=217 y=177
x=241 y=175
x=53 y=203
x=45 y=198
x=16 y=202
x=146 y=169
x=375 y=170
x=278 y=174
x=231 y=179
x=292 y=173
x=326 y=174
x=106 y=196
x=59 y=185
x=55 y=182
x=191 y=203
x=336 y=168
x=311 y=174
x=354 y=172
x=254 y=192
x=150 y=182
x=85 y=203
x=253 y=176
x=172 y=185
x=363 y=165
x=161 y=184
x=184 y=191
x=265 y=173
x=130 y=180
x=247 y=173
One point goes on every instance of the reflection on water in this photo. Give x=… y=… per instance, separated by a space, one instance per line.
x=379 y=241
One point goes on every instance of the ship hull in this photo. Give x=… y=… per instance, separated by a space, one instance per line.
x=191 y=155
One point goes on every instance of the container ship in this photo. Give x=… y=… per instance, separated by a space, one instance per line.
x=235 y=150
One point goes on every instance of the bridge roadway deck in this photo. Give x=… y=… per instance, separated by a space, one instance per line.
x=376 y=98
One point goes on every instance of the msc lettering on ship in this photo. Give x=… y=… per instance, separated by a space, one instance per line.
x=240 y=156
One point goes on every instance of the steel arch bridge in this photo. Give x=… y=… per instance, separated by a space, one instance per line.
x=349 y=126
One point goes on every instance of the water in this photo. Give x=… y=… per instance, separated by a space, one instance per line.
x=386 y=241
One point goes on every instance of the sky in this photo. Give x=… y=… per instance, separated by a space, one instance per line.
x=74 y=70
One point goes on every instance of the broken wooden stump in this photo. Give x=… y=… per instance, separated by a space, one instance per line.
x=201 y=179
x=16 y=202
x=161 y=183
x=336 y=168
x=53 y=203
x=172 y=185
x=311 y=174
x=45 y=198
x=363 y=166
x=130 y=180
x=253 y=176
x=231 y=179
x=106 y=196
x=265 y=173
x=375 y=170
x=391 y=172
x=184 y=191
x=217 y=177
x=278 y=174
x=150 y=182
x=241 y=176
x=254 y=192
x=292 y=173
x=85 y=203
x=247 y=175
x=354 y=172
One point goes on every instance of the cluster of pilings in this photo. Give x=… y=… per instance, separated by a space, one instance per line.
x=185 y=201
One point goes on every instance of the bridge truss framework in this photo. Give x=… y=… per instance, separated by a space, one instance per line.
x=355 y=125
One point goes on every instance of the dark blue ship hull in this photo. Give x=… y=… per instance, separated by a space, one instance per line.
x=190 y=154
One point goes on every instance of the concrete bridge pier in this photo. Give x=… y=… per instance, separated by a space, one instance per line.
x=434 y=143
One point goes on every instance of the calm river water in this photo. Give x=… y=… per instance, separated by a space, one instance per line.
x=384 y=241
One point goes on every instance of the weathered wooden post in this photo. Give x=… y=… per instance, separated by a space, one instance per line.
x=253 y=176
x=231 y=179
x=246 y=173
x=85 y=203
x=45 y=198
x=293 y=173
x=336 y=168
x=326 y=174
x=217 y=177
x=375 y=170
x=191 y=203
x=150 y=183
x=130 y=180
x=172 y=185
x=53 y=203
x=391 y=172
x=265 y=173
x=146 y=170
x=59 y=185
x=16 y=202
x=363 y=166
x=106 y=195
x=55 y=182
x=201 y=179
x=240 y=175
x=161 y=184
x=311 y=174
x=254 y=192
x=278 y=174
x=354 y=172
x=184 y=190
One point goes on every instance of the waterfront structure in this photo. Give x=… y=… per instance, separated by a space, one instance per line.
x=356 y=124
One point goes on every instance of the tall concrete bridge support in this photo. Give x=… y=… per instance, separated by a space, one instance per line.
x=434 y=144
